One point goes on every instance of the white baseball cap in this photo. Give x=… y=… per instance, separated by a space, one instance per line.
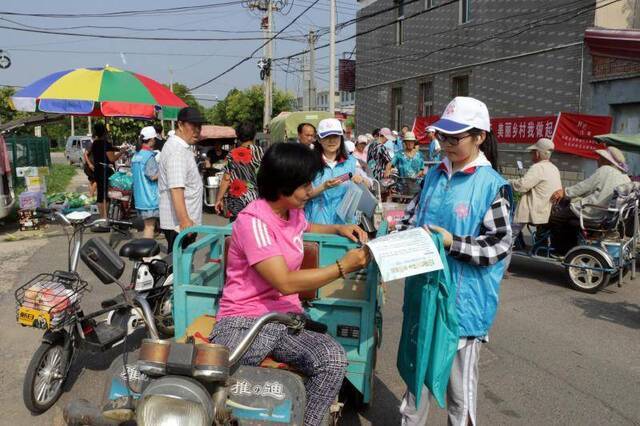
x=362 y=139
x=148 y=133
x=328 y=127
x=463 y=114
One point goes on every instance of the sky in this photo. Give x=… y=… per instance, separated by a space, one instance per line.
x=35 y=55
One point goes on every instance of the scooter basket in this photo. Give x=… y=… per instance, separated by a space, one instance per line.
x=49 y=301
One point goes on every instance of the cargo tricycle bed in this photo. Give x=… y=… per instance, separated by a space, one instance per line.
x=350 y=308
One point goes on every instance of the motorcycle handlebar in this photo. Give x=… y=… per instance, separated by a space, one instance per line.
x=293 y=321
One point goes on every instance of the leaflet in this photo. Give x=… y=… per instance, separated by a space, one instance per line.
x=404 y=254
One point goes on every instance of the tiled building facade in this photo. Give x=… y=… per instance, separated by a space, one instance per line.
x=521 y=57
x=418 y=72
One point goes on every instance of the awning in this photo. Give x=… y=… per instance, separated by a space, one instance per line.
x=623 y=44
x=217 y=132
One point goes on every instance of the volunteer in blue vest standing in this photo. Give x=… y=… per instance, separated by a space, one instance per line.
x=328 y=185
x=144 y=168
x=469 y=204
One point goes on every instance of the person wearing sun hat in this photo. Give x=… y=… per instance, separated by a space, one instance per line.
x=328 y=189
x=468 y=203
x=597 y=190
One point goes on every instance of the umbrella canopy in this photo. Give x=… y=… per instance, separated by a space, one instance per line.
x=622 y=141
x=108 y=92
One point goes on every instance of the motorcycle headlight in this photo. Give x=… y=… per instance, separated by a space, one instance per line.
x=173 y=401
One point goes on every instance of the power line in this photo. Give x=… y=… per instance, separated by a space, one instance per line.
x=109 y=27
x=125 y=13
x=528 y=26
x=107 y=36
x=228 y=70
x=364 y=17
x=124 y=52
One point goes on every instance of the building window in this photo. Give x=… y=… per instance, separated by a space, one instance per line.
x=460 y=86
x=400 y=23
x=425 y=98
x=396 y=107
x=465 y=11
x=428 y=4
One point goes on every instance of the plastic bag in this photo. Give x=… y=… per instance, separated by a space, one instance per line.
x=121 y=180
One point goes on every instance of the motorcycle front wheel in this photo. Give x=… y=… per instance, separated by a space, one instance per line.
x=44 y=379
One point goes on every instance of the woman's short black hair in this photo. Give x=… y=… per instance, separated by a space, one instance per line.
x=284 y=168
x=99 y=130
x=246 y=132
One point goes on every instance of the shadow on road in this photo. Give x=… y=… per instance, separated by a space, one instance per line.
x=100 y=361
x=622 y=313
x=383 y=410
x=545 y=273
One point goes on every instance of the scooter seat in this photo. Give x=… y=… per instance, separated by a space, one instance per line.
x=139 y=248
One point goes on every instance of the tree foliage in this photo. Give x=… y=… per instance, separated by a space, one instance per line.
x=248 y=105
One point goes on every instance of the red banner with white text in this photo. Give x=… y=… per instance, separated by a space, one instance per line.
x=571 y=133
x=574 y=133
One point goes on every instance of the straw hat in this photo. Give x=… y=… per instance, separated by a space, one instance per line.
x=614 y=156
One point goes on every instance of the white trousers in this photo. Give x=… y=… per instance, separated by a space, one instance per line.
x=461 y=392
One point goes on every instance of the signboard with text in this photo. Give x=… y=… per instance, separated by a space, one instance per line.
x=571 y=133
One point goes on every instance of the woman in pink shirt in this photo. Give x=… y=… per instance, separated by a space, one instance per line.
x=264 y=275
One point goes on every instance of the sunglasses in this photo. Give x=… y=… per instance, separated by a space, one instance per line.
x=451 y=139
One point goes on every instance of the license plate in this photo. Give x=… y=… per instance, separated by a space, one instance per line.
x=33 y=318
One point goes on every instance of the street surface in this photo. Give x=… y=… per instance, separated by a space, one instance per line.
x=555 y=356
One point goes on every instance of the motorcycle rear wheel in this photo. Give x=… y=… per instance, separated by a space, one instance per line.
x=45 y=376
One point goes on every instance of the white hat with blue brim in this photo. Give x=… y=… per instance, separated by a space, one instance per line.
x=328 y=127
x=463 y=114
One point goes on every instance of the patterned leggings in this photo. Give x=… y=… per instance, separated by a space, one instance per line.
x=317 y=356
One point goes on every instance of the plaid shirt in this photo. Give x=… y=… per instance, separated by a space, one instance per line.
x=492 y=245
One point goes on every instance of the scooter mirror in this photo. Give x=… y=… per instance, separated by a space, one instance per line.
x=519 y=164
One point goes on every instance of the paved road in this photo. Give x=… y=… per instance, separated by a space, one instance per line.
x=555 y=356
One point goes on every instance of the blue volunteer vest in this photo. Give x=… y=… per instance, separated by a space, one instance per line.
x=145 y=190
x=323 y=208
x=459 y=205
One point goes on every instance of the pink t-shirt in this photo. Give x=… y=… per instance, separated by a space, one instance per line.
x=259 y=234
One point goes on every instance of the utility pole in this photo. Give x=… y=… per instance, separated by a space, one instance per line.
x=265 y=64
x=332 y=58
x=73 y=126
x=268 y=86
x=308 y=75
x=173 y=123
x=312 y=70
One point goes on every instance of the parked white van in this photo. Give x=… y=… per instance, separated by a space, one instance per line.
x=73 y=149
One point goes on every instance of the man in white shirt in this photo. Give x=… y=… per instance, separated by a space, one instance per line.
x=179 y=181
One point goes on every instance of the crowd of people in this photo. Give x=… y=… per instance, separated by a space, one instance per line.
x=273 y=197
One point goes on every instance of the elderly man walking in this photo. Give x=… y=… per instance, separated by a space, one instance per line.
x=179 y=181
x=537 y=185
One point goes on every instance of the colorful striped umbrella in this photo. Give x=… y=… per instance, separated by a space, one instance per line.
x=108 y=92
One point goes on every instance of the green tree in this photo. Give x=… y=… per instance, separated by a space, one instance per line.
x=248 y=105
x=7 y=113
